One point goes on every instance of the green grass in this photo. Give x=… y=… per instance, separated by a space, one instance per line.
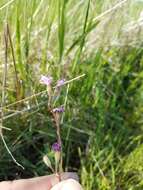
x=103 y=124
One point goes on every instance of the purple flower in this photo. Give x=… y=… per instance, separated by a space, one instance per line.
x=59 y=109
x=56 y=147
x=46 y=80
x=60 y=82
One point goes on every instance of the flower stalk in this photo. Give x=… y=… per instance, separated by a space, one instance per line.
x=56 y=115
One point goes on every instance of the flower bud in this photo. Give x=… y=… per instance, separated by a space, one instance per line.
x=56 y=147
x=47 y=161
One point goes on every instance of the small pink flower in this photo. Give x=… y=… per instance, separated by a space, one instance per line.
x=56 y=147
x=46 y=80
x=59 y=109
x=60 y=82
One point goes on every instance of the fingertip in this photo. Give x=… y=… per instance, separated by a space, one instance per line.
x=69 y=184
x=64 y=176
x=70 y=175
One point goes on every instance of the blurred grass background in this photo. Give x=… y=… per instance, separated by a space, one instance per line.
x=103 y=124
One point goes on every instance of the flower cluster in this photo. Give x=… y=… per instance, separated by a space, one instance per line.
x=53 y=95
x=56 y=147
x=59 y=109
x=60 y=82
x=46 y=80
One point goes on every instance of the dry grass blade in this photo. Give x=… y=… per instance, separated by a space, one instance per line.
x=110 y=10
x=3 y=98
x=17 y=85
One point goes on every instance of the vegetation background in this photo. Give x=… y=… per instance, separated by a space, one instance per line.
x=103 y=123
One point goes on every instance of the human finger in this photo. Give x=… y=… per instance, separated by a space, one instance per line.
x=44 y=183
x=69 y=184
